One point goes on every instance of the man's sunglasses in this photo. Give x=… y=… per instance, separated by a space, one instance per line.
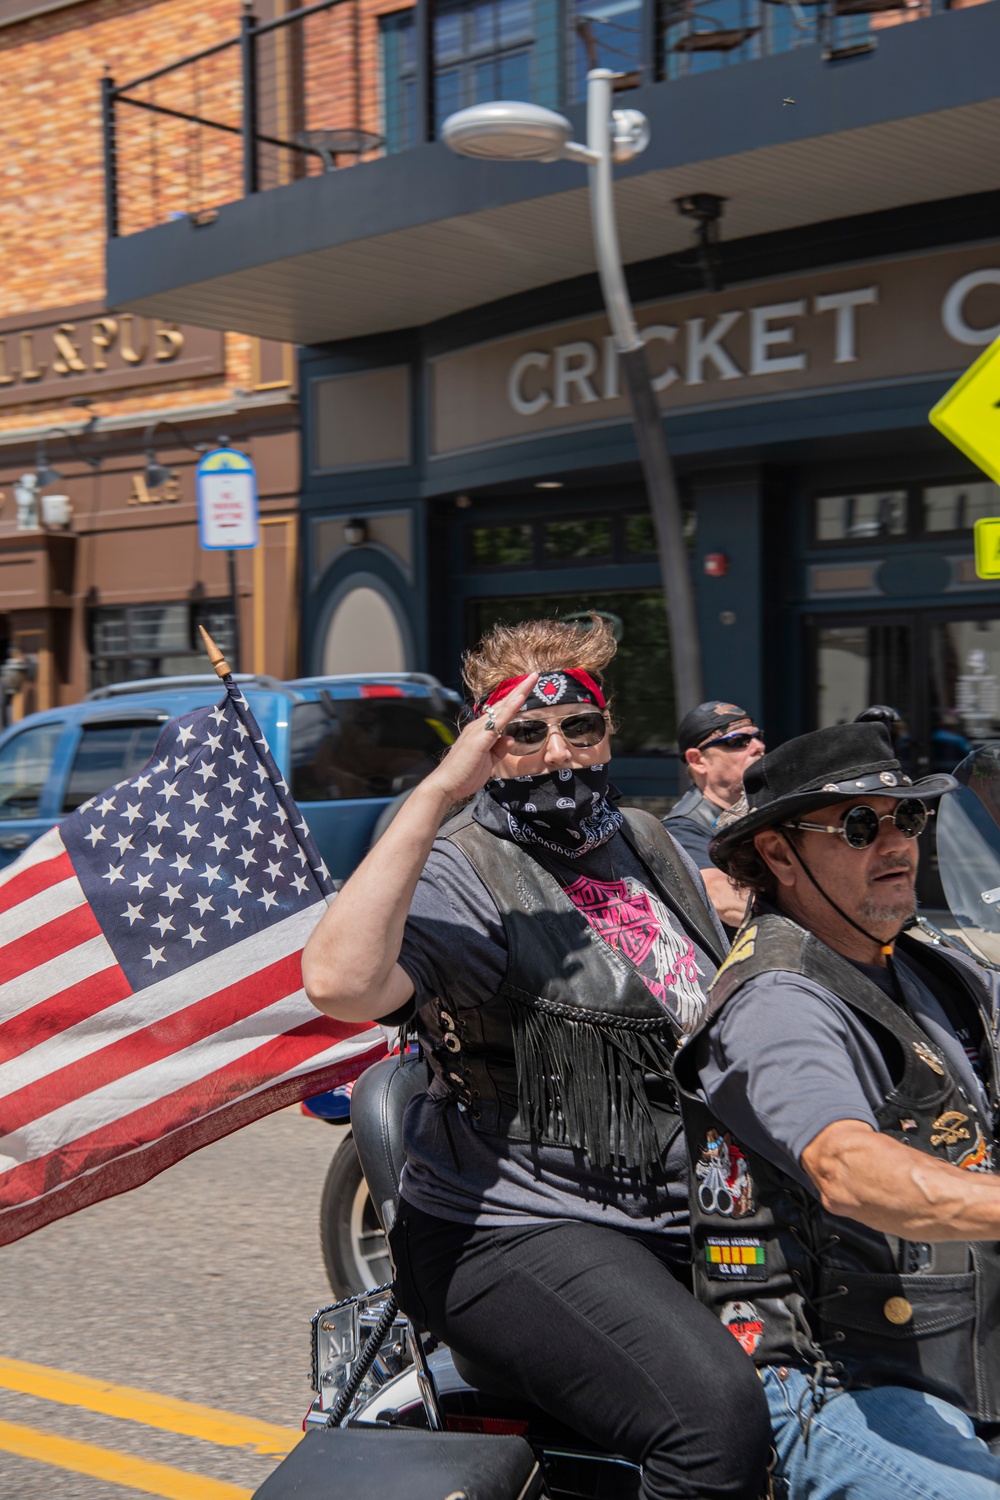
x=860 y=827
x=582 y=731
x=733 y=741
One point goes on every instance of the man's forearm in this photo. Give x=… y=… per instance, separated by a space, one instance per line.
x=351 y=954
x=729 y=900
x=861 y=1174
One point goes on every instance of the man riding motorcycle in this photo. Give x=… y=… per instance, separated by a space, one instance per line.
x=716 y=741
x=855 y=1071
x=551 y=950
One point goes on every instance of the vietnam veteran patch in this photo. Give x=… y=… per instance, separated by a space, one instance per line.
x=736 y=1259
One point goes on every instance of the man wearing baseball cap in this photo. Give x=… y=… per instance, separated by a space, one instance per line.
x=716 y=741
x=840 y=1100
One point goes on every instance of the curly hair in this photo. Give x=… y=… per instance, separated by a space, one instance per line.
x=748 y=868
x=537 y=646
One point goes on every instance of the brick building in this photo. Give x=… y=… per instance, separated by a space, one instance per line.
x=110 y=582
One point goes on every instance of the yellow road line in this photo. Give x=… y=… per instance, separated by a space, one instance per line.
x=164 y=1412
x=116 y=1468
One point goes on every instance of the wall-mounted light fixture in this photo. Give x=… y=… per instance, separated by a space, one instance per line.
x=156 y=474
x=46 y=473
x=355 y=532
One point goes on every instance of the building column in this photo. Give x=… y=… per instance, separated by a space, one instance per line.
x=729 y=507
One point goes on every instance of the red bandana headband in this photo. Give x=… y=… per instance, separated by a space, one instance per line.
x=567 y=685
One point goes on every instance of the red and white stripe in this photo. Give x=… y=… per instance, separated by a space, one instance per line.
x=102 y=1087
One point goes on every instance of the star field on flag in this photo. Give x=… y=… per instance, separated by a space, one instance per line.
x=151 y=995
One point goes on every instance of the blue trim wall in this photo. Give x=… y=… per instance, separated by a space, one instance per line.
x=751 y=470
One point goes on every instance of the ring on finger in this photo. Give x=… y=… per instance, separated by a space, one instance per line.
x=491 y=723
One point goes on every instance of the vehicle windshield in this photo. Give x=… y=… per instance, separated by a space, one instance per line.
x=364 y=747
x=968 y=847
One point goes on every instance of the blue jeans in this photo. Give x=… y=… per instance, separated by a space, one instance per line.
x=885 y=1444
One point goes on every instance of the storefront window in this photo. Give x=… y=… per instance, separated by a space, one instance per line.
x=640 y=679
x=859 y=665
x=155 y=640
x=525 y=544
x=640 y=534
x=566 y=540
x=862 y=518
x=964 y=672
x=500 y=546
x=957 y=507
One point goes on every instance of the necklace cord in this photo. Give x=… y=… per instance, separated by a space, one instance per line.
x=886 y=948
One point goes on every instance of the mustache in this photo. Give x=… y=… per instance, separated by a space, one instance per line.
x=894 y=864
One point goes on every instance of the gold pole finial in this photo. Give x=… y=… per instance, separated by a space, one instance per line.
x=215 y=656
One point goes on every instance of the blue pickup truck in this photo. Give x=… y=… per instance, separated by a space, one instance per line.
x=350 y=748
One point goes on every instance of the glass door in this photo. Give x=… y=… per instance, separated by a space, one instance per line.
x=940 y=671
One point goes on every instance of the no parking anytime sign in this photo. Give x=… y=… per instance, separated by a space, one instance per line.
x=227 y=501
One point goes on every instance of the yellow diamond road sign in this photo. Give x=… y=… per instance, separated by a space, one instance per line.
x=969 y=414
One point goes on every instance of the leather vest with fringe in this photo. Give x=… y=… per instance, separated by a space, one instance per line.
x=573 y=1050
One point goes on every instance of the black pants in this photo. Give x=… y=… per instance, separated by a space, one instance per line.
x=601 y=1333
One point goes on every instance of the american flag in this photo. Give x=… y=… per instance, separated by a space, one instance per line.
x=151 y=994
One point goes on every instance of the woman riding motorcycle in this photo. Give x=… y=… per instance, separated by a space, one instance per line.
x=552 y=950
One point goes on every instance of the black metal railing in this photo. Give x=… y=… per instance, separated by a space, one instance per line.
x=334 y=84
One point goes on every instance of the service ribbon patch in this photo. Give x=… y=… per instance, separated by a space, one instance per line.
x=736 y=1259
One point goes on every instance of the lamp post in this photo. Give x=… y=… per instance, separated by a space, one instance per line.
x=515 y=131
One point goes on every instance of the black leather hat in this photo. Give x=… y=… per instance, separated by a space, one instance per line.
x=839 y=764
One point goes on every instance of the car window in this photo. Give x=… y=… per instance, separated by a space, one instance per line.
x=108 y=753
x=364 y=747
x=25 y=763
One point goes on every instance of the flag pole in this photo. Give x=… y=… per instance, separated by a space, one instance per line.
x=215 y=656
x=297 y=824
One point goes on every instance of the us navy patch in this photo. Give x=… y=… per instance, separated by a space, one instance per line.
x=736 y=1259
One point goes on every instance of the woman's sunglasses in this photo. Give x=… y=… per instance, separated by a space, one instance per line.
x=582 y=731
x=860 y=827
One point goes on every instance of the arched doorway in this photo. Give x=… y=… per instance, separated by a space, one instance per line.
x=365 y=631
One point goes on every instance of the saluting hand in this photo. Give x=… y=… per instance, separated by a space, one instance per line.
x=474 y=756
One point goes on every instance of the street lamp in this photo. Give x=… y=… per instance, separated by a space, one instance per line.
x=508 y=130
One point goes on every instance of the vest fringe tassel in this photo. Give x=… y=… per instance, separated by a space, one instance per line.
x=582 y=1083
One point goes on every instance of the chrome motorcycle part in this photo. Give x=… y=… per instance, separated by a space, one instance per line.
x=339 y=1335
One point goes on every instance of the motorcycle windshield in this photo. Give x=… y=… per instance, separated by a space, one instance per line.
x=968 y=847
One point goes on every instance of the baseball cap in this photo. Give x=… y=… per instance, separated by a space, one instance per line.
x=710 y=720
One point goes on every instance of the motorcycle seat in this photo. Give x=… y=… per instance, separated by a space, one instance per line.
x=378 y=1100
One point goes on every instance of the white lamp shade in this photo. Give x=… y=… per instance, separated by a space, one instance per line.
x=507 y=130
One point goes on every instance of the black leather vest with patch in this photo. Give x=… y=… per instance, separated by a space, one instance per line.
x=573 y=1050
x=797 y=1285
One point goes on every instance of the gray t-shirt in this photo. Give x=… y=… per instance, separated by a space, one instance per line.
x=788 y=1058
x=454 y=948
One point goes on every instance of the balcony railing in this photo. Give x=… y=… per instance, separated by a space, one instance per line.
x=337 y=83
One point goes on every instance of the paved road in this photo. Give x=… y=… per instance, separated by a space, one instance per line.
x=198 y=1286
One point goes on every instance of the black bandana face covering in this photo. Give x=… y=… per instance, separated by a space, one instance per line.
x=566 y=811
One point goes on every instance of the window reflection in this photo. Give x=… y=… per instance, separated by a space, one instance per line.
x=864 y=517
x=957 y=507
